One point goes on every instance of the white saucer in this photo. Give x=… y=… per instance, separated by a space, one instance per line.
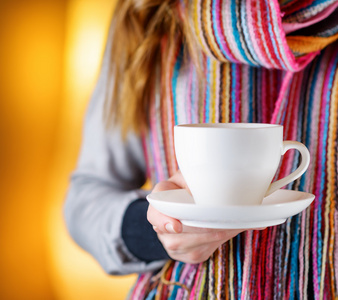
x=274 y=210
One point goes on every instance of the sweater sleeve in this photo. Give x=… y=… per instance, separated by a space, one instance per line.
x=107 y=179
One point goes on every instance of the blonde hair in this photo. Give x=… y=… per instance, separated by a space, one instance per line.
x=139 y=28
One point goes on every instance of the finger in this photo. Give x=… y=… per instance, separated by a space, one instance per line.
x=261 y=228
x=194 y=240
x=165 y=185
x=163 y=223
x=191 y=229
x=179 y=180
x=193 y=255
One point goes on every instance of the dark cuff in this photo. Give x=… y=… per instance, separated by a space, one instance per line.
x=138 y=234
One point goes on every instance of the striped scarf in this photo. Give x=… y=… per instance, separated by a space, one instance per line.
x=269 y=62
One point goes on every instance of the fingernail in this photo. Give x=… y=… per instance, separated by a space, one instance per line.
x=169 y=227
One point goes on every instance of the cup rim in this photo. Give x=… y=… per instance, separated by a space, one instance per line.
x=231 y=126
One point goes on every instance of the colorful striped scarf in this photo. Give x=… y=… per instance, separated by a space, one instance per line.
x=255 y=72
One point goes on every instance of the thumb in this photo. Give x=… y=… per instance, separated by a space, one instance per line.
x=163 y=223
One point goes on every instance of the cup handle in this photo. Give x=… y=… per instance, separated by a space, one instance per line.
x=305 y=154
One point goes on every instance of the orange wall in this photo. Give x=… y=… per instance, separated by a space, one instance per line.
x=43 y=95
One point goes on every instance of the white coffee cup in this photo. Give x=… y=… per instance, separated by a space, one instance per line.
x=233 y=163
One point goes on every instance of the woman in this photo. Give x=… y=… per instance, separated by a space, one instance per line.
x=171 y=62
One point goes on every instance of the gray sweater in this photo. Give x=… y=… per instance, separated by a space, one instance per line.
x=107 y=179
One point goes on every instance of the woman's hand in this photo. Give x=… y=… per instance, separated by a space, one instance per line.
x=183 y=243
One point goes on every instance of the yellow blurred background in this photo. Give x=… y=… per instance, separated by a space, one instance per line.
x=49 y=58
